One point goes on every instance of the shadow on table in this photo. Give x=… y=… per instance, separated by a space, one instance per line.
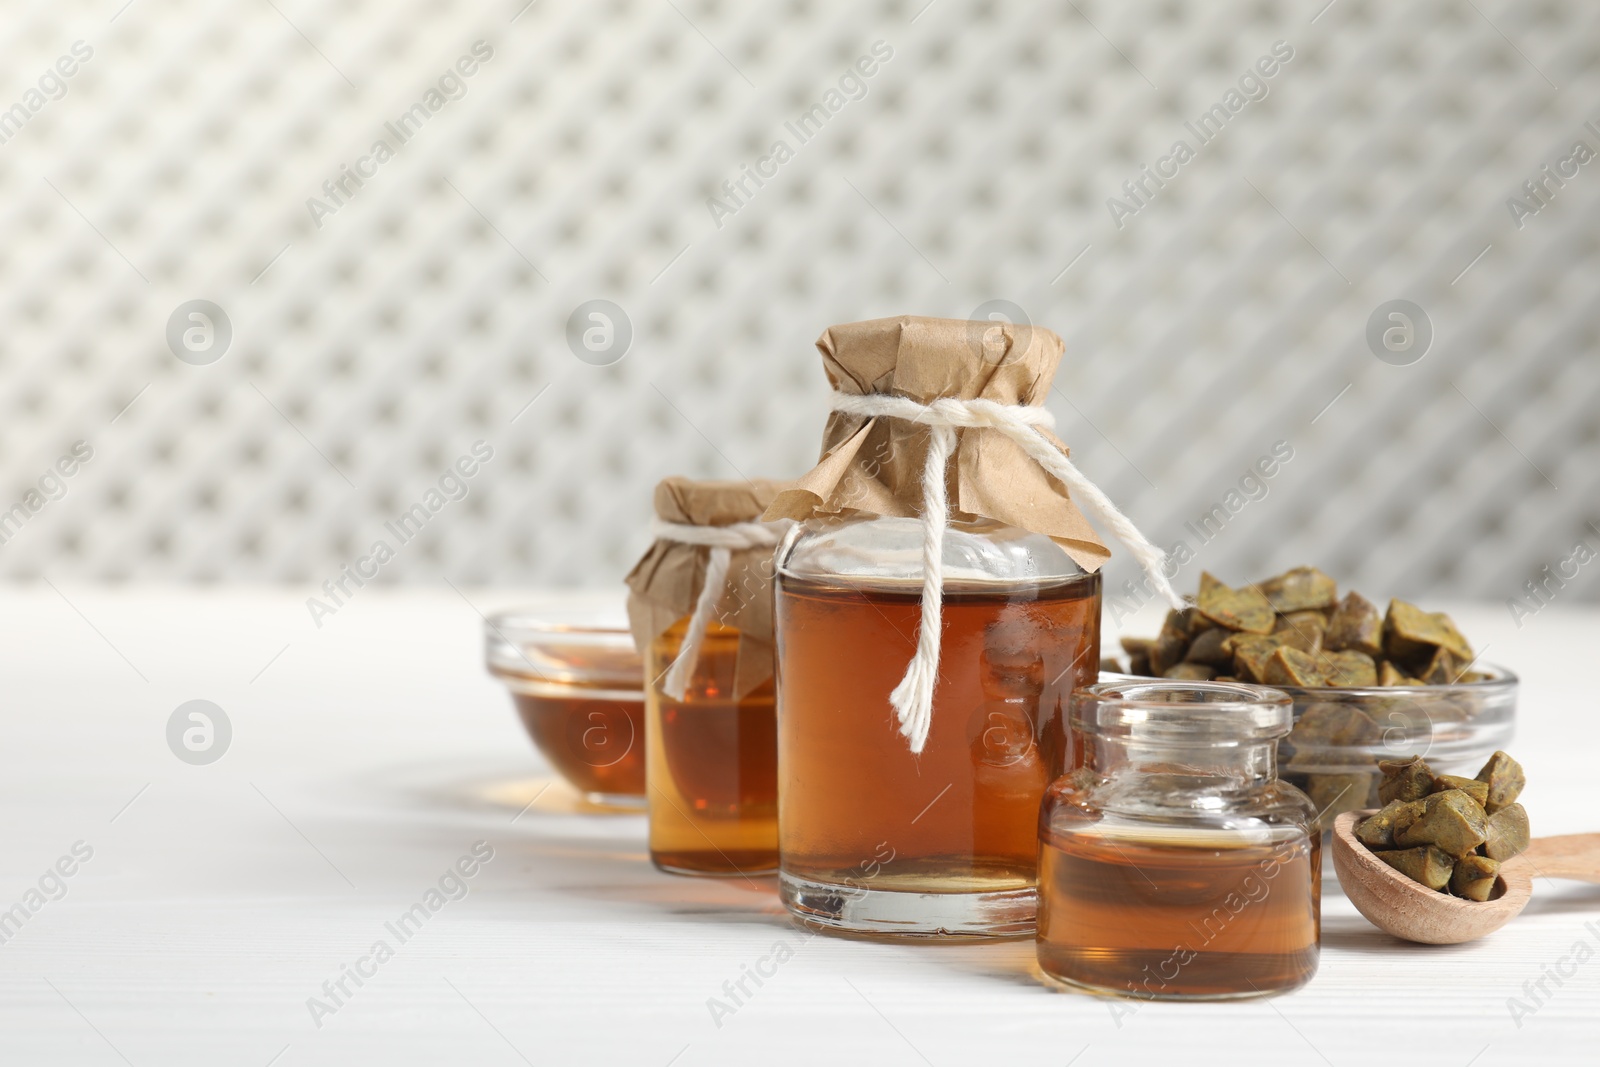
x=1353 y=933
x=1562 y=897
x=597 y=871
x=512 y=789
x=572 y=848
x=1011 y=961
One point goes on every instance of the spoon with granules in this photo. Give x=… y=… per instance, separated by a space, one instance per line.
x=1410 y=910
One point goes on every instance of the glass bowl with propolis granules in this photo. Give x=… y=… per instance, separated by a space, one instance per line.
x=578 y=685
x=1367 y=685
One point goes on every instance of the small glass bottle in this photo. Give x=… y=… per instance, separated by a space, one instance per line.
x=700 y=604
x=712 y=761
x=1177 y=865
x=876 y=839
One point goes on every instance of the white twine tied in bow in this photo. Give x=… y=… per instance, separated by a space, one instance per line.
x=723 y=542
x=913 y=697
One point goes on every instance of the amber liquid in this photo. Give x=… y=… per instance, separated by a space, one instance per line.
x=713 y=764
x=593 y=737
x=858 y=808
x=1196 y=918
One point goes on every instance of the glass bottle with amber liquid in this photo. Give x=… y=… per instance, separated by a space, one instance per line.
x=700 y=606
x=934 y=608
x=876 y=839
x=1176 y=865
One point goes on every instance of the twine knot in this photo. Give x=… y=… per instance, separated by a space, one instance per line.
x=723 y=542
x=912 y=699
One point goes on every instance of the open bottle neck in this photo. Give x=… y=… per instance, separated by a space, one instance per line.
x=1245 y=764
x=1204 y=732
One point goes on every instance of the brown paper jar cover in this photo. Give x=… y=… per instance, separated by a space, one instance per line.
x=874 y=465
x=664 y=585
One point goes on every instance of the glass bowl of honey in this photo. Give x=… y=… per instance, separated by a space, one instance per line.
x=578 y=685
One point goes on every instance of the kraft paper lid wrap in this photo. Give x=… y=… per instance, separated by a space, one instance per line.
x=664 y=585
x=874 y=465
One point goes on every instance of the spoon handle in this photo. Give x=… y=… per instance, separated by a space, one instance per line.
x=1575 y=856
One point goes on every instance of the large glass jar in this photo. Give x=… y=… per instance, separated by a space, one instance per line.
x=1177 y=865
x=872 y=838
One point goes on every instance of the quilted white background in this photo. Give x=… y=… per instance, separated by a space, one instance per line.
x=369 y=353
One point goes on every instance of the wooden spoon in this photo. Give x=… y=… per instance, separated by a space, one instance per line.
x=1412 y=911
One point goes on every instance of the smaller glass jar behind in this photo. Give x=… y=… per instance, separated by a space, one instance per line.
x=712 y=762
x=700 y=606
x=1177 y=865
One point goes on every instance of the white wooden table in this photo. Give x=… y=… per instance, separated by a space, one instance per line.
x=368 y=756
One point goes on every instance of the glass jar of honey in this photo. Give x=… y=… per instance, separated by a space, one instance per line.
x=700 y=605
x=712 y=762
x=1176 y=865
x=933 y=610
x=878 y=839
